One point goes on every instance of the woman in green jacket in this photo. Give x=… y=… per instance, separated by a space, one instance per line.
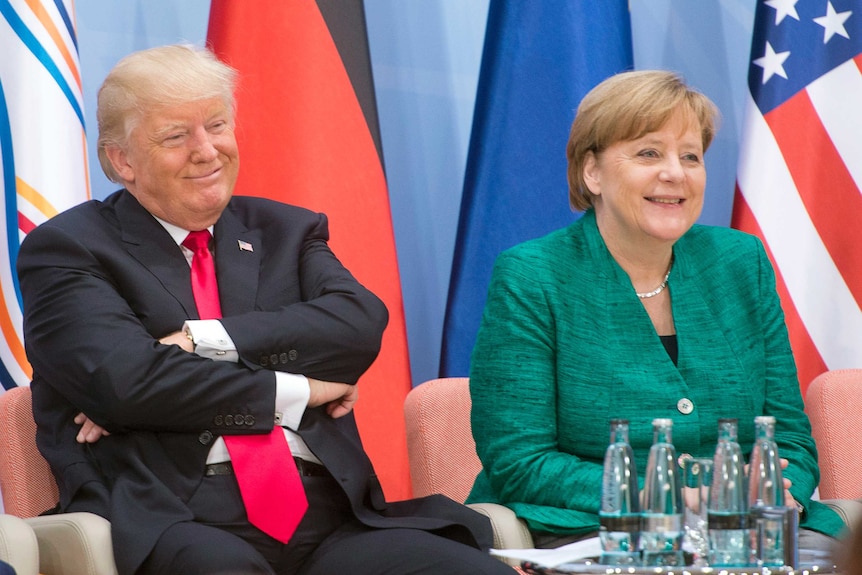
x=636 y=312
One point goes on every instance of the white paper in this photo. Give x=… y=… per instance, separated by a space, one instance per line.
x=571 y=553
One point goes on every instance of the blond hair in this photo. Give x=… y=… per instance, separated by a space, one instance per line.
x=149 y=79
x=625 y=107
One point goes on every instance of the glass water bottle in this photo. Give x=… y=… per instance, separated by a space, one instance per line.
x=729 y=534
x=619 y=514
x=662 y=515
x=766 y=497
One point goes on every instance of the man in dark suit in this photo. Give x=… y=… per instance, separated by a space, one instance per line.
x=136 y=397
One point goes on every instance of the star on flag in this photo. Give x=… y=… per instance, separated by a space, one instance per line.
x=783 y=8
x=772 y=63
x=833 y=23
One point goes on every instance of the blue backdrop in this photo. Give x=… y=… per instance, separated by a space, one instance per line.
x=425 y=57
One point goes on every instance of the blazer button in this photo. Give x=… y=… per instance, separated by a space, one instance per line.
x=685 y=406
x=228 y=419
x=264 y=361
x=239 y=419
x=293 y=354
x=249 y=420
x=218 y=420
x=282 y=357
x=205 y=438
x=273 y=359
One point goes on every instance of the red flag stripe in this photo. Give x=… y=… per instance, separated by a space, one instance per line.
x=798 y=116
x=799 y=176
x=305 y=140
x=826 y=306
x=809 y=362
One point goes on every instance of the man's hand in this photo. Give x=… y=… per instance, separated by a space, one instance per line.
x=90 y=432
x=179 y=338
x=339 y=398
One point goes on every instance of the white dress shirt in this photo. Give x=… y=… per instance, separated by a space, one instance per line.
x=212 y=340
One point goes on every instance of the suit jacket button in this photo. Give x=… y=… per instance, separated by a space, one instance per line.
x=273 y=359
x=205 y=438
x=264 y=361
x=228 y=419
x=249 y=420
x=218 y=420
x=282 y=357
x=293 y=354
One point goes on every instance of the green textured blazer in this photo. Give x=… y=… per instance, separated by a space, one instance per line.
x=565 y=345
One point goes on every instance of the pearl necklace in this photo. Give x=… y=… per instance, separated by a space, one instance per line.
x=657 y=290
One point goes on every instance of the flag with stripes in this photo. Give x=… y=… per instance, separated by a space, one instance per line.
x=800 y=171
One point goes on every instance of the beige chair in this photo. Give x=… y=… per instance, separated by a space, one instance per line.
x=68 y=543
x=442 y=454
x=18 y=546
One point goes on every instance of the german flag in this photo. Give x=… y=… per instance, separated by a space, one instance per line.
x=308 y=134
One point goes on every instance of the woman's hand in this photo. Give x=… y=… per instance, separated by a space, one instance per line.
x=789 y=501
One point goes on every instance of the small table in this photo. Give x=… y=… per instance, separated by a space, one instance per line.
x=599 y=569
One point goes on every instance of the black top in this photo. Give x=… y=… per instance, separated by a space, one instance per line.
x=670 y=346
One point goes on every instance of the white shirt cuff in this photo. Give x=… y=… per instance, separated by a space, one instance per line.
x=211 y=340
x=291 y=398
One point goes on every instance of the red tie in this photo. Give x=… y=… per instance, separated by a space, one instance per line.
x=265 y=471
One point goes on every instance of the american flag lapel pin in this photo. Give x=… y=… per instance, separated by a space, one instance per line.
x=245 y=246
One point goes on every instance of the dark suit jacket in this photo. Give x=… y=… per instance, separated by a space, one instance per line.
x=104 y=281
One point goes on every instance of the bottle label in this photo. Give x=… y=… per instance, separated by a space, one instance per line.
x=661 y=523
x=728 y=520
x=628 y=523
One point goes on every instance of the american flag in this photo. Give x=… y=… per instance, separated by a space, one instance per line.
x=800 y=170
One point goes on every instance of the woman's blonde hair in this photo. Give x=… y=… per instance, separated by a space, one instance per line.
x=625 y=107
x=149 y=79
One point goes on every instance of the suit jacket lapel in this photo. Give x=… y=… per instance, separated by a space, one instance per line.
x=238 y=253
x=149 y=243
x=237 y=264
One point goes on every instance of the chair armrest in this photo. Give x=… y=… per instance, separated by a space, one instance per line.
x=74 y=543
x=850 y=510
x=18 y=545
x=510 y=532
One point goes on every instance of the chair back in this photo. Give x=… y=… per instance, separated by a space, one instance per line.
x=26 y=481
x=833 y=403
x=440 y=446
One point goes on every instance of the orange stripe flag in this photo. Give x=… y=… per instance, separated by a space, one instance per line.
x=308 y=135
